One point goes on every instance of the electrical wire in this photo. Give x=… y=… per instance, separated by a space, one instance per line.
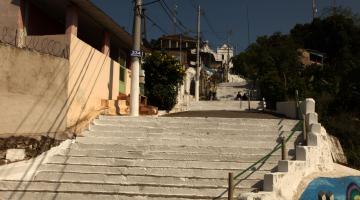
x=155 y=24
x=171 y=16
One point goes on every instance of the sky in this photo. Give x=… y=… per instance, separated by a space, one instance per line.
x=227 y=18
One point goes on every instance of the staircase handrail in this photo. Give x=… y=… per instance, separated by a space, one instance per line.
x=267 y=156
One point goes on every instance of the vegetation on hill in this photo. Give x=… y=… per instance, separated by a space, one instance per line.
x=273 y=62
x=163 y=75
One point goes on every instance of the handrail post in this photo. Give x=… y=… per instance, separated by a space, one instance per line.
x=304 y=130
x=297 y=105
x=231 y=186
x=249 y=100
x=283 y=149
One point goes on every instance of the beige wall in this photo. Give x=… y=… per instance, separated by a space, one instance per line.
x=40 y=93
x=89 y=80
x=9 y=13
x=33 y=91
x=56 y=45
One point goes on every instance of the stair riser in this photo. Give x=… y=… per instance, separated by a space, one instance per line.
x=153 y=163
x=139 y=180
x=181 y=142
x=85 y=196
x=183 y=149
x=182 y=129
x=167 y=156
x=150 y=171
x=111 y=189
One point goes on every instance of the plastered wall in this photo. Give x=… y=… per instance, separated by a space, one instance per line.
x=33 y=92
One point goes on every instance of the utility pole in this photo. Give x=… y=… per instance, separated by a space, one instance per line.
x=135 y=61
x=314 y=8
x=197 y=77
x=334 y=7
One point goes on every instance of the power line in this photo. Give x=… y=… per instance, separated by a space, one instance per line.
x=216 y=34
x=172 y=16
x=211 y=27
x=149 y=3
x=155 y=24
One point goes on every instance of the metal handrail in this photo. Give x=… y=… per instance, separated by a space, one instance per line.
x=261 y=160
x=267 y=156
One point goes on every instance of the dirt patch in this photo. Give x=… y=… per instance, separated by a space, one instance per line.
x=33 y=146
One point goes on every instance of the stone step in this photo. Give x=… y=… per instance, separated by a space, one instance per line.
x=183 y=148
x=197 y=142
x=94 y=161
x=113 y=189
x=184 y=125
x=145 y=180
x=182 y=129
x=193 y=132
x=151 y=171
x=190 y=120
x=16 y=195
x=241 y=136
x=198 y=120
x=224 y=105
x=167 y=155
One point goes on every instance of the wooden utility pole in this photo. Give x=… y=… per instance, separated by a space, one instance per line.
x=197 y=77
x=135 y=61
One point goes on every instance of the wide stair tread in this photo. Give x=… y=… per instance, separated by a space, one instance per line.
x=158 y=158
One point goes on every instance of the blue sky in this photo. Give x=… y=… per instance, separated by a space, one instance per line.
x=265 y=16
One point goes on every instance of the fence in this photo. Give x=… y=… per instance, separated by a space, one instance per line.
x=55 y=45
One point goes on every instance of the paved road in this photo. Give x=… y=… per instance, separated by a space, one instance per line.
x=226 y=114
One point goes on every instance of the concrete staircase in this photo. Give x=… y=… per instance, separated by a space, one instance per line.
x=228 y=91
x=157 y=158
x=224 y=105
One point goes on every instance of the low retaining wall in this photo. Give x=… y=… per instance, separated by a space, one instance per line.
x=313 y=158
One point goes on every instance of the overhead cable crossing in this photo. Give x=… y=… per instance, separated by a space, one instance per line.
x=156 y=25
x=216 y=34
x=171 y=15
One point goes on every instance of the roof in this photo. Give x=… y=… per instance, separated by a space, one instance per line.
x=98 y=15
x=177 y=36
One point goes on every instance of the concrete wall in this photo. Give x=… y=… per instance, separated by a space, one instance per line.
x=93 y=76
x=287 y=108
x=56 y=45
x=315 y=158
x=9 y=13
x=33 y=91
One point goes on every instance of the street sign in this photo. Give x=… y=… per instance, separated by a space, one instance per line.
x=135 y=53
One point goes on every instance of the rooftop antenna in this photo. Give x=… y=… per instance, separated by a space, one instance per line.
x=248 y=23
x=314 y=8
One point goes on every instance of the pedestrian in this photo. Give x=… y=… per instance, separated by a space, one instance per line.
x=238 y=96
x=245 y=97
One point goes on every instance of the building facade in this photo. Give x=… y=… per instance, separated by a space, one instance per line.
x=61 y=59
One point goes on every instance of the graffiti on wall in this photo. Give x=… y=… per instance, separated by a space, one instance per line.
x=344 y=188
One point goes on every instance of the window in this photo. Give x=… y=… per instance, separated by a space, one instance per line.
x=122 y=74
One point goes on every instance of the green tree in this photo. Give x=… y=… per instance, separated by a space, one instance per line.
x=273 y=62
x=163 y=75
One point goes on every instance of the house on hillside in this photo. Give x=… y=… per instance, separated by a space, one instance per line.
x=310 y=57
x=61 y=58
x=183 y=48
